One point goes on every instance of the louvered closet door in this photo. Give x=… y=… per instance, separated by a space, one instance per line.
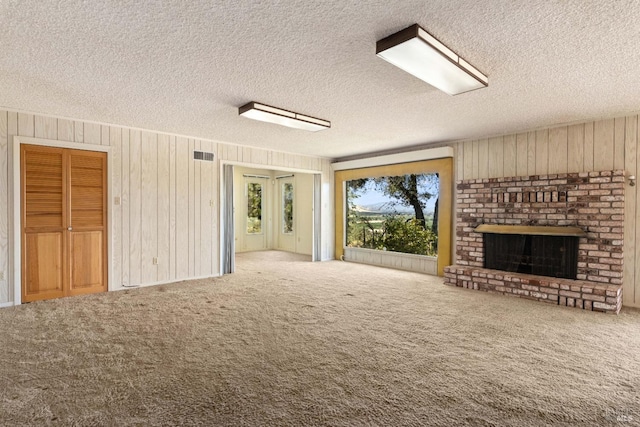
x=43 y=223
x=63 y=222
x=87 y=221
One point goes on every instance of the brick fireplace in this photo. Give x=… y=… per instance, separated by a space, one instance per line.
x=592 y=203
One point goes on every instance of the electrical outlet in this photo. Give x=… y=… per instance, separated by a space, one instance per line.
x=211 y=203
x=155 y=261
x=116 y=201
x=1 y=275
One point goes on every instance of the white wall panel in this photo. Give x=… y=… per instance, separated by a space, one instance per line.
x=409 y=262
x=4 y=211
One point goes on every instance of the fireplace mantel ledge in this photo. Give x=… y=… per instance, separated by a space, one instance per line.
x=531 y=229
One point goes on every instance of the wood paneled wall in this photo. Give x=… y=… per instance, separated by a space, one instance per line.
x=585 y=147
x=169 y=203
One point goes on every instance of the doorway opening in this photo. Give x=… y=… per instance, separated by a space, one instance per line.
x=269 y=209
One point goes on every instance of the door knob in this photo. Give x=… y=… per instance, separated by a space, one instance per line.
x=70 y=228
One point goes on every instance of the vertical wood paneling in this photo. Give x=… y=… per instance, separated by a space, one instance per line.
x=26 y=124
x=542 y=152
x=192 y=214
x=226 y=150
x=496 y=157
x=135 y=207
x=215 y=213
x=475 y=173
x=531 y=153
x=510 y=155
x=588 y=146
x=78 y=131
x=197 y=213
x=631 y=220
x=172 y=207
x=12 y=129
x=618 y=143
x=164 y=208
x=183 y=208
x=4 y=203
x=468 y=160
x=635 y=299
x=125 y=200
x=205 y=212
x=260 y=156
x=65 y=130
x=603 y=145
x=92 y=133
x=276 y=159
x=522 y=154
x=149 y=196
x=558 y=148
x=392 y=260
x=246 y=154
x=116 y=209
x=46 y=127
x=483 y=158
x=232 y=152
x=575 y=148
x=104 y=135
x=459 y=161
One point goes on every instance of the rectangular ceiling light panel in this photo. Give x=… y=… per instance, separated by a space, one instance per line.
x=266 y=113
x=419 y=53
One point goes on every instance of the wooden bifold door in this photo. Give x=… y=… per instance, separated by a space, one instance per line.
x=64 y=222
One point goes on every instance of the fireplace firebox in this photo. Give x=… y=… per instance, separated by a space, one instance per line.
x=554 y=256
x=542 y=251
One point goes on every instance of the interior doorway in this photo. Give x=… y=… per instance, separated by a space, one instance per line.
x=272 y=210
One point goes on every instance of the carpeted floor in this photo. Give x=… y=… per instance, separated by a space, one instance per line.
x=288 y=342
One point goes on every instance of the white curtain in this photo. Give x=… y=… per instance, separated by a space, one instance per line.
x=228 y=249
x=317 y=208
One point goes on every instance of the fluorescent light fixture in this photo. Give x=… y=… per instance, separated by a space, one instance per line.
x=266 y=113
x=419 y=53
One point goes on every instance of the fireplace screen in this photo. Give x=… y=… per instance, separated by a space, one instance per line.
x=555 y=256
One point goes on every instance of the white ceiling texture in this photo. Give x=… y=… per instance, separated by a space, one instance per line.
x=186 y=66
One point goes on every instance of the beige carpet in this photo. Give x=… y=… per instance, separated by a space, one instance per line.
x=288 y=342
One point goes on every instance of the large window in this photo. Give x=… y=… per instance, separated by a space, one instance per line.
x=393 y=213
x=442 y=167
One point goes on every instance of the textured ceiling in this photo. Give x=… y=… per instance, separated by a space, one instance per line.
x=185 y=66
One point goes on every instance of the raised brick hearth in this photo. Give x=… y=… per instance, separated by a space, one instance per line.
x=592 y=201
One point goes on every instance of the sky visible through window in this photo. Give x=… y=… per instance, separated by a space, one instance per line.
x=374 y=196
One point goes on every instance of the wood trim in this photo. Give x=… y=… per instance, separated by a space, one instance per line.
x=539 y=230
x=52 y=143
x=444 y=167
x=392 y=159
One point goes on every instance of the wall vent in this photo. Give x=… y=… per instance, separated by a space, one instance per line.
x=203 y=155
